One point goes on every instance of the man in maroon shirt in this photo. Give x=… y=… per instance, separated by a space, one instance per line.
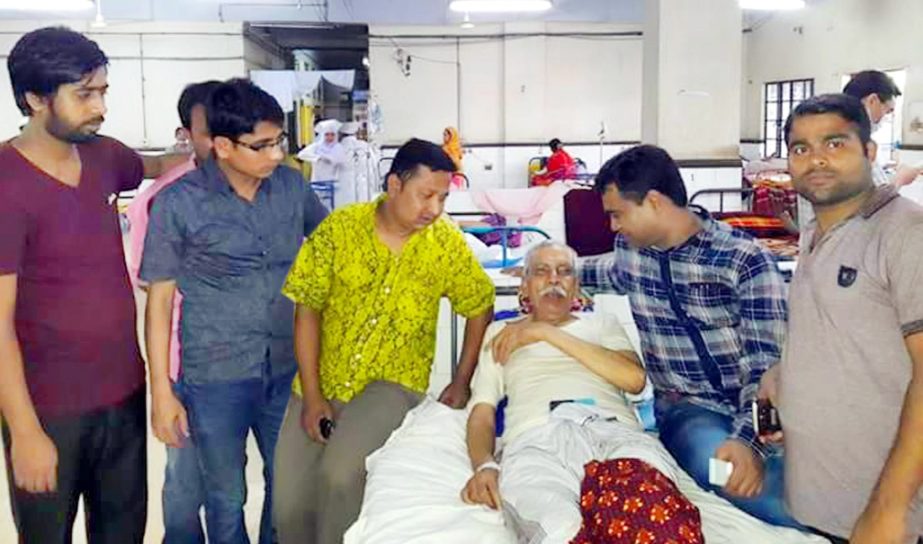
x=71 y=375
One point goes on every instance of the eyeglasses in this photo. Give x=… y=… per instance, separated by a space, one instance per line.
x=281 y=142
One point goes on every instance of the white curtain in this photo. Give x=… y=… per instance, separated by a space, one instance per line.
x=288 y=85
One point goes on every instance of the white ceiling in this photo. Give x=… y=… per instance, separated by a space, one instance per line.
x=382 y=12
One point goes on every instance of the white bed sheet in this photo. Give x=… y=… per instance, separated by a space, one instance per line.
x=414 y=481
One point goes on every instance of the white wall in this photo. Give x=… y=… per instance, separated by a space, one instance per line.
x=692 y=73
x=509 y=89
x=829 y=40
x=150 y=65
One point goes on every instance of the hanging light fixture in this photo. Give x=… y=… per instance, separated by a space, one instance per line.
x=499 y=6
x=46 y=5
x=772 y=5
x=467 y=24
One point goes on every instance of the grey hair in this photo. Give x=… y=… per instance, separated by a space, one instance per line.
x=548 y=244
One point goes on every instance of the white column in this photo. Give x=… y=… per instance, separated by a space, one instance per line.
x=692 y=77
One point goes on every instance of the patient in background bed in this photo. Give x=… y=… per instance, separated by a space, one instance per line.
x=547 y=357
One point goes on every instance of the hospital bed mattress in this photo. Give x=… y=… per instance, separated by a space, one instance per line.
x=414 y=482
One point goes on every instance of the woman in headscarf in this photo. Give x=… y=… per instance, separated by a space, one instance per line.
x=328 y=158
x=326 y=155
x=451 y=144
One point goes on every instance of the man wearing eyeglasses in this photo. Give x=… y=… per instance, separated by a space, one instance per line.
x=225 y=235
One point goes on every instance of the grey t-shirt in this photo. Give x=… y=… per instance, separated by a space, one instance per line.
x=856 y=294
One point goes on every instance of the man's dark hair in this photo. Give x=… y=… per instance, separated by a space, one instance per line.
x=195 y=94
x=236 y=106
x=872 y=82
x=416 y=153
x=554 y=144
x=640 y=169
x=44 y=59
x=847 y=107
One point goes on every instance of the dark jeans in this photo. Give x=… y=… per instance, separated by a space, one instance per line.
x=102 y=456
x=692 y=433
x=221 y=415
x=183 y=491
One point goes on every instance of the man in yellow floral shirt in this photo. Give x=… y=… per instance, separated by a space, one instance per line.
x=367 y=285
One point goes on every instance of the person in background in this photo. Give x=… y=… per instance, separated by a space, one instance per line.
x=183 y=490
x=225 y=235
x=368 y=285
x=355 y=177
x=327 y=157
x=560 y=165
x=72 y=391
x=849 y=388
x=182 y=143
x=452 y=145
x=878 y=94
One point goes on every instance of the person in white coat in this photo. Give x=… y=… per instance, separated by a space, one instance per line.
x=358 y=179
x=325 y=154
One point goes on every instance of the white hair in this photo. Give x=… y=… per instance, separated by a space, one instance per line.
x=548 y=244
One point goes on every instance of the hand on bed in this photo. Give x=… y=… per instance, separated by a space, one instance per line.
x=483 y=488
x=747 y=477
x=311 y=414
x=455 y=395
x=514 y=336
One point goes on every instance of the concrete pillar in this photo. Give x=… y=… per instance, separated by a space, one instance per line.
x=692 y=77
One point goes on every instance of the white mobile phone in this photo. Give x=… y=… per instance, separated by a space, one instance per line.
x=719 y=472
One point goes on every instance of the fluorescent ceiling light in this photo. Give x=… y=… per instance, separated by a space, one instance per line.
x=498 y=6
x=771 y=5
x=46 y=5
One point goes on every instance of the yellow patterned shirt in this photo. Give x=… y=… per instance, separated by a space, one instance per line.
x=379 y=310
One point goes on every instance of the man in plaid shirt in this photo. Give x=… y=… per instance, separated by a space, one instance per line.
x=709 y=303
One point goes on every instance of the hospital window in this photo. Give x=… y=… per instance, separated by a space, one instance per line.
x=888 y=134
x=780 y=98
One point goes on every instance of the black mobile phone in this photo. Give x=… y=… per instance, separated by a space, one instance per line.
x=765 y=418
x=326 y=427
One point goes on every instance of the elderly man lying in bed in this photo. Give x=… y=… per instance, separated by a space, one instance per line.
x=565 y=378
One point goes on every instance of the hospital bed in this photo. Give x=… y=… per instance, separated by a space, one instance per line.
x=756 y=220
x=414 y=481
x=413 y=484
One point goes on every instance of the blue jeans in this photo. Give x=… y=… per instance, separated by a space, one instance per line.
x=221 y=415
x=183 y=491
x=692 y=433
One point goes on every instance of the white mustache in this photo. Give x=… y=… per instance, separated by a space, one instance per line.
x=553 y=290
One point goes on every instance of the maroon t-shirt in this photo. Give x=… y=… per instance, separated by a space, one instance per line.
x=75 y=311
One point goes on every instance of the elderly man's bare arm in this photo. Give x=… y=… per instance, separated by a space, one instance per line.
x=622 y=369
x=484 y=485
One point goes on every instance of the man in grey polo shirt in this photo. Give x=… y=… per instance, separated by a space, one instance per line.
x=850 y=382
